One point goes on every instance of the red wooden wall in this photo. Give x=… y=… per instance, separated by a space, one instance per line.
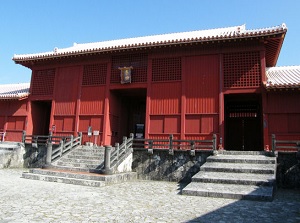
x=184 y=98
x=65 y=99
x=283 y=114
x=13 y=115
x=202 y=96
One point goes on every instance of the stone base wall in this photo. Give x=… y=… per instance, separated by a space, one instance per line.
x=160 y=165
x=181 y=166
x=11 y=155
x=288 y=170
x=34 y=157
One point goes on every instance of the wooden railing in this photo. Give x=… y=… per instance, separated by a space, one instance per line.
x=56 y=145
x=42 y=140
x=114 y=156
x=174 y=144
x=64 y=146
x=285 y=145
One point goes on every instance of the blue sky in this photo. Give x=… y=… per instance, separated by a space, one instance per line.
x=34 y=26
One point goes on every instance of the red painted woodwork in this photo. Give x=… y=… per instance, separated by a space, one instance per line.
x=92 y=100
x=43 y=82
x=242 y=69
x=181 y=90
x=165 y=98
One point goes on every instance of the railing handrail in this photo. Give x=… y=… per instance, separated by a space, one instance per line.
x=285 y=145
x=64 y=146
x=115 y=155
x=177 y=144
x=43 y=139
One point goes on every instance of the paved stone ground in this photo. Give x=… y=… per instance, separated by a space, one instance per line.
x=24 y=200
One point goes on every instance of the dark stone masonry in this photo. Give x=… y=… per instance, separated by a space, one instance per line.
x=161 y=165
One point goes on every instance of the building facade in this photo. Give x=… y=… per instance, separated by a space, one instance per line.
x=191 y=85
x=14 y=107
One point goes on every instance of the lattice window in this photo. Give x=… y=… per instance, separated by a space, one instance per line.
x=242 y=70
x=43 y=82
x=166 y=69
x=94 y=74
x=243 y=111
x=139 y=63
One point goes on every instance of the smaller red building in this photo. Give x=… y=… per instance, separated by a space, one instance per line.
x=13 y=111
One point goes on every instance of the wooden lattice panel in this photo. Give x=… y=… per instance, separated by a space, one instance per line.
x=166 y=69
x=43 y=82
x=242 y=70
x=138 y=62
x=94 y=74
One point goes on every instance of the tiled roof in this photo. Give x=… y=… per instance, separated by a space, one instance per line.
x=14 y=91
x=283 y=77
x=148 y=41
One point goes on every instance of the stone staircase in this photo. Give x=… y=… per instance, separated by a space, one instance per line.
x=81 y=166
x=237 y=175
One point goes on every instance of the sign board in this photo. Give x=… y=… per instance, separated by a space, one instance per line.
x=125 y=74
x=96 y=133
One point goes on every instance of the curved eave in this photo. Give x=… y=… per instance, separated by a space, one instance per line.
x=283 y=87
x=14 y=97
x=272 y=39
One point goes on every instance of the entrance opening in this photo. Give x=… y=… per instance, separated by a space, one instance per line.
x=243 y=122
x=128 y=113
x=41 y=111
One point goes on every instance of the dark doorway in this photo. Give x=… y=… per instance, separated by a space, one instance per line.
x=41 y=111
x=243 y=122
x=130 y=111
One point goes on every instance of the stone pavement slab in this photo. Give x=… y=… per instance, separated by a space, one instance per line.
x=23 y=200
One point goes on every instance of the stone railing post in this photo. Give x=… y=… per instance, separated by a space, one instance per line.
x=273 y=143
x=24 y=136
x=125 y=143
x=49 y=152
x=61 y=144
x=171 y=151
x=80 y=137
x=72 y=139
x=214 y=142
x=117 y=147
x=107 y=155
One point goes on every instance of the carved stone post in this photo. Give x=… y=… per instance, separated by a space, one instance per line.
x=49 y=152
x=107 y=155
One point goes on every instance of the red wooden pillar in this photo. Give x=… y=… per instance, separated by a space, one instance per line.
x=148 y=99
x=221 y=101
x=265 y=117
x=106 y=121
x=51 y=122
x=183 y=98
x=77 y=112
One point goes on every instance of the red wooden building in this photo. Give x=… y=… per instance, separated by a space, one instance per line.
x=190 y=84
x=13 y=111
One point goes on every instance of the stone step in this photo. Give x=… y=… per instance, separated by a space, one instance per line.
x=86 y=157
x=235 y=178
x=232 y=152
x=249 y=192
x=238 y=167
x=57 y=179
x=86 y=153
x=68 y=174
x=86 y=161
x=77 y=165
x=71 y=168
x=258 y=159
x=78 y=178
